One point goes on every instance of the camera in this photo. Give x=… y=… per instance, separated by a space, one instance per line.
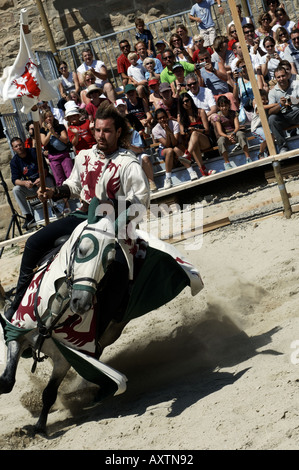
x=200 y=65
x=238 y=70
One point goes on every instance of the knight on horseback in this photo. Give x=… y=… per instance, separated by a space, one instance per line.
x=109 y=172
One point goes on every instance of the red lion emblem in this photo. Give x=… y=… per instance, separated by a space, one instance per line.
x=27 y=83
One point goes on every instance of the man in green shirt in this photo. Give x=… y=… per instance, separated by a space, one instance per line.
x=167 y=74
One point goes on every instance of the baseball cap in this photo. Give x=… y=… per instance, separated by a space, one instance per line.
x=160 y=42
x=164 y=87
x=153 y=81
x=119 y=102
x=177 y=66
x=129 y=87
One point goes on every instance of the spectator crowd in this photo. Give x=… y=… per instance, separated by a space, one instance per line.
x=185 y=93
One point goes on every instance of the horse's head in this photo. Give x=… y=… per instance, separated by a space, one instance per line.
x=92 y=253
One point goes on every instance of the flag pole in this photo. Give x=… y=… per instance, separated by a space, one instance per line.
x=41 y=169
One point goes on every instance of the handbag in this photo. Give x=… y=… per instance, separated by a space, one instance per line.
x=57 y=144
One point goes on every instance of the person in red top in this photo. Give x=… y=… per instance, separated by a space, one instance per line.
x=30 y=141
x=96 y=98
x=123 y=62
x=79 y=132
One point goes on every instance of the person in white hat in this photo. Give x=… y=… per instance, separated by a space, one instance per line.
x=137 y=143
x=79 y=131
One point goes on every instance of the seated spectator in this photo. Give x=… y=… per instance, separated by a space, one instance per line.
x=74 y=96
x=169 y=103
x=167 y=75
x=187 y=40
x=288 y=68
x=232 y=37
x=271 y=7
x=100 y=72
x=215 y=79
x=167 y=133
x=140 y=48
x=243 y=93
x=256 y=123
x=202 y=96
x=79 y=132
x=136 y=73
x=68 y=81
x=55 y=140
x=96 y=98
x=160 y=46
x=179 y=85
x=222 y=54
x=286 y=112
x=255 y=51
x=137 y=144
x=291 y=53
x=146 y=36
x=199 y=47
x=155 y=98
x=243 y=19
x=282 y=19
x=43 y=106
x=123 y=62
x=271 y=60
x=149 y=65
x=176 y=45
x=194 y=128
x=228 y=132
x=137 y=105
x=30 y=142
x=265 y=28
x=282 y=39
x=25 y=178
x=88 y=79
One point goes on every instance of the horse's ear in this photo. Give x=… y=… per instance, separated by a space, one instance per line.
x=92 y=217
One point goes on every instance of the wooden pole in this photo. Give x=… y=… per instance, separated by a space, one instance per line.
x=47 y=29
x=262 y=113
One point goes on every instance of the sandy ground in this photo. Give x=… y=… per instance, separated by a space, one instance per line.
x=215 y=371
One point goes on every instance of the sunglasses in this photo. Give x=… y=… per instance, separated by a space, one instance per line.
x=199 y=40
x=192 y=84
x=126 y=46
x=296 y=38
x=282 y=34
x=270 y=46
x=90 y=79
x=248 y=32
x=233 y=31
x=186 y=101
x=167 y=57
x=63 y=68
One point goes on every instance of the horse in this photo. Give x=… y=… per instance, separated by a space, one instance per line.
x=58 y=314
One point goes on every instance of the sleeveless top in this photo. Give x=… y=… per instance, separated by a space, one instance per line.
x=68 y=83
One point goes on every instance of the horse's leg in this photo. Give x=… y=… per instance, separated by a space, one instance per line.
x=111 y=334
x=8 y=378
x=60 y=368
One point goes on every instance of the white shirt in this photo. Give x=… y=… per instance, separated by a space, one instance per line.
x=204 y=99
x=137 y=72
x=97 y=65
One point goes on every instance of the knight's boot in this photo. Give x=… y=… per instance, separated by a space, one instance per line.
x=20 y=291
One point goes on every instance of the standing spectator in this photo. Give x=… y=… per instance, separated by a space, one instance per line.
x=167 y=74
x=201 y=13
x=146 y=36
x=291 y=53
x=167 y=133
x=286 y=112
x=25 y=177
x=283 y=20
x=79 y=132
x=54 y=138
x=30 y=142
x=99 y=70
x=123 y=62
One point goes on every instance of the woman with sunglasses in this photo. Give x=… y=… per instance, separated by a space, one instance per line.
x=232 y=36
x=177 y=46
x=68 y=81
x=265 y=29
x=282 y=39
x=88 y=79
x=194 y=128
x=271 y=60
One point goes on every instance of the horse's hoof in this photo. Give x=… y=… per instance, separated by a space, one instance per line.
x=5 y=387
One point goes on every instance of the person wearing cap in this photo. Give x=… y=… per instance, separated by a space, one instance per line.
x=137 y=144
x=167 y=74
x=178 y=85
x=137 y=105
x=160 y=46
x=79 y=132
x=155 y=98
x=169 y=103
x=96 y=98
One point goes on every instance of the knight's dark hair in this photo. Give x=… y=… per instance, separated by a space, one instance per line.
x=108 y=111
